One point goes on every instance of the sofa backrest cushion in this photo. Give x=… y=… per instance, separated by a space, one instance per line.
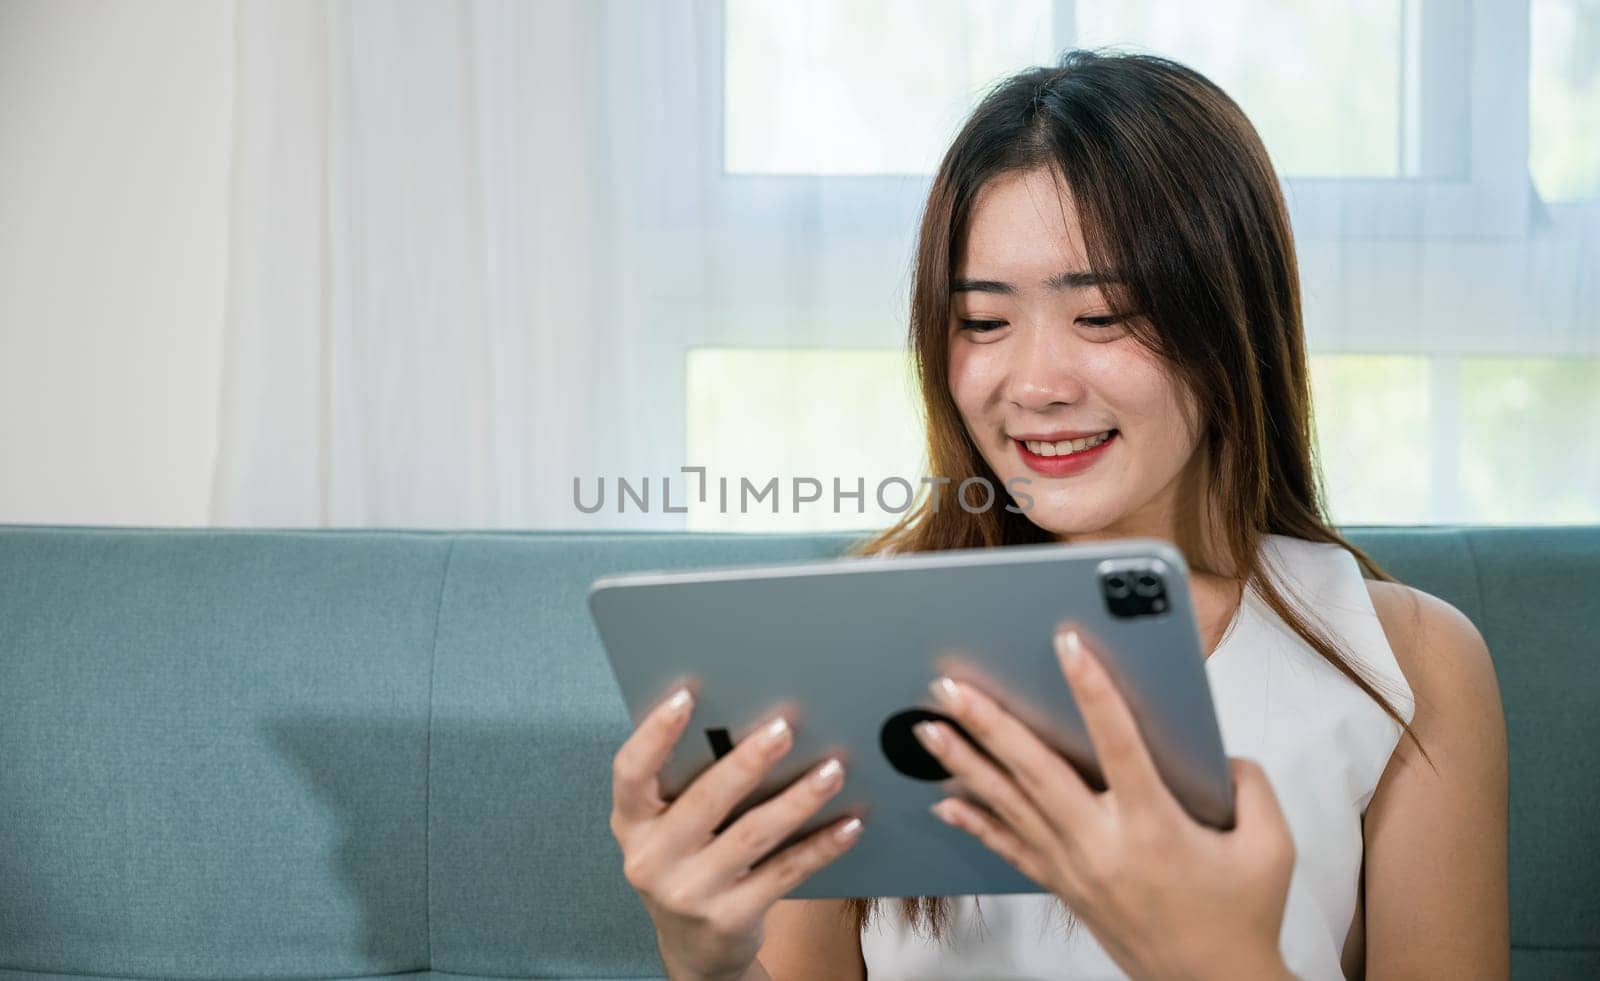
x=360 y=752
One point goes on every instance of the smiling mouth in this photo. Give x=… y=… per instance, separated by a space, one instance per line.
x=1066 y=447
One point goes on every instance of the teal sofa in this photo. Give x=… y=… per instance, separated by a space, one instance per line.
x=384 y=754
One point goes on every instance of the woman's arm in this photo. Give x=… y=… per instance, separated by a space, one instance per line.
x=812 y=938
x=1436 y=903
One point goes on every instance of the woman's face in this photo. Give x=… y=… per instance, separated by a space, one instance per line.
x=1035 y=360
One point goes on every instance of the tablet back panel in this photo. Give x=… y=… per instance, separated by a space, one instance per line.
x=847 y=648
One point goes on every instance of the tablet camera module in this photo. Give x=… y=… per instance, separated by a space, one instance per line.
x=1134 y=592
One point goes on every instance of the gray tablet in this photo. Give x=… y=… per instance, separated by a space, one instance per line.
x=847 y=648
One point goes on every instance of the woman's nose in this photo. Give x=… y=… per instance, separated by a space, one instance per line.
x=1041 y=373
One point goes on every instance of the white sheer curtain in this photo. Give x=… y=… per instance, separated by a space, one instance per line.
x=474 y=244
x=470 y=246
x=440 y=286
x=358 y=386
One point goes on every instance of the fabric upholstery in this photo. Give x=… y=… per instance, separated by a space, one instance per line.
x=375 y=753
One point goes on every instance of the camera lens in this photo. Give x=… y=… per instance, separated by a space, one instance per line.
x=1147 y=585
x=1116 y=587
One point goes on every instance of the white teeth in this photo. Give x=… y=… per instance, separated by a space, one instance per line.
x=1066 y=446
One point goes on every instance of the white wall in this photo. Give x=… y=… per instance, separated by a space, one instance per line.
x=113 y=183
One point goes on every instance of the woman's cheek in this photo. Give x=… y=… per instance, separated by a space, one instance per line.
x=974 y=376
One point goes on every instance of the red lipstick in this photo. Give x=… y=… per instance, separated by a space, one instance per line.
x=1064 y=466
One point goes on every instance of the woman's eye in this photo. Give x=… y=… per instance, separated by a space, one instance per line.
x=985 y=326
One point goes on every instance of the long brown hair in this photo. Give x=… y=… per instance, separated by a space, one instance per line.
x=1182 y=215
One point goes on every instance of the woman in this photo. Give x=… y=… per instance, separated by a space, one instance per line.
x=1106 y=303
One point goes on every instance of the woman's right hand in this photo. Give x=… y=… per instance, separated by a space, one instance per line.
x=706 y=901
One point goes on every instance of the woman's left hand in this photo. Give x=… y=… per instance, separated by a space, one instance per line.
x=1166 y=896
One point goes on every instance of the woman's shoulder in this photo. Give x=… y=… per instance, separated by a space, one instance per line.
x=1424 y=632
x=1438 y=648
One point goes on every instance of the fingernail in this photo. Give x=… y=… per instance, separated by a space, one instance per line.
x=947 y=692
x=678 y=704
x=930 y=735
x=943 y=812
x=1069 y=647
x=828 y=775
x=775 y=731
x=848 y=830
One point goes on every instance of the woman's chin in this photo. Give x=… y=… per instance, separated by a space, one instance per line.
x=1066 y=523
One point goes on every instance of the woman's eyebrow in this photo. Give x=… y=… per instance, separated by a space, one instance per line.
x=1076 y=279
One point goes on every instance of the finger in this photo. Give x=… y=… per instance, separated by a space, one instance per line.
x=1047 y=779
x=635 y=792
x=995 y=836
x=775 y=877
x=1118 y=745
x=758 y=831
x=695 y=814
x=987 y=781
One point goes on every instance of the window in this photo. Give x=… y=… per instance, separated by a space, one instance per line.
x=1527 y=449
x=760 y=415
x=836 y=87
x=1387 y=118
x=839 y=87
x=1286 y=63
x=1564 y=99
x=1442 y=187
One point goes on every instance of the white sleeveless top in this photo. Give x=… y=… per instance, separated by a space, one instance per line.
x=1322 y=742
